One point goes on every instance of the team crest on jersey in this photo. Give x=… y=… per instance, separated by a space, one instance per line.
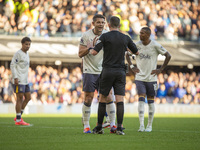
x=81 y=41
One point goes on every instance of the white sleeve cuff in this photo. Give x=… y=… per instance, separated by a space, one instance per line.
x=132 y=66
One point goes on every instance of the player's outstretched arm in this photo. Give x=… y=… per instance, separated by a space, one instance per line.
x=132 y=47
x=133 y=68
x=128 y=54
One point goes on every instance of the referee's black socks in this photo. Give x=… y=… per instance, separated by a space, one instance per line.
x=101 y=113
x=120 y=114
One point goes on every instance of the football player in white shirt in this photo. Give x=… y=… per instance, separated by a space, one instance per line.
x=146 y=74
x=19 y=67
x=92 y=67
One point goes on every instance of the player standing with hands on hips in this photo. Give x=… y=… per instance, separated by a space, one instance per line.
x=19 y=67
x=114 y=44
x=92 y=67
x=146 y=74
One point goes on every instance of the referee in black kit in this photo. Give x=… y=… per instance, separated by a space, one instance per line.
x=114 y=44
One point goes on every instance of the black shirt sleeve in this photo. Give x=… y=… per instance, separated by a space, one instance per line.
x=132 y=46
x=99 y=43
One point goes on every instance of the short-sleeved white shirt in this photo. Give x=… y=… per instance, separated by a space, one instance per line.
x=91 y=64
x=20 y=66
x=147 y=60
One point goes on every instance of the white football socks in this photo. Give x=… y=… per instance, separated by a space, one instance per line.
x=151 y=114
x=141 y=112
x=110 y=109
x=86 y=115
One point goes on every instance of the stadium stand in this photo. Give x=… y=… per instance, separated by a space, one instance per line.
x=55 y=27
x=168 y=19
x=48 y=85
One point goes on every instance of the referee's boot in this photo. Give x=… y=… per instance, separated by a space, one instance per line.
x=98 y=130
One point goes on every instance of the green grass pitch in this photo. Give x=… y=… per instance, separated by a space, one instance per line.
x=65 y=132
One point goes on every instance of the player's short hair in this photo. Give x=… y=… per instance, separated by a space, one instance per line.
x=97 y=16
x=25 y=39
x=114 y=22
x=147 y=30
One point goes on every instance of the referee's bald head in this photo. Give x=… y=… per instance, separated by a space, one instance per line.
x=114 y=22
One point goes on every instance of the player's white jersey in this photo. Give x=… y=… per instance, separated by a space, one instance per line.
x=147 y=60
x=20 y=66
x=91 y=64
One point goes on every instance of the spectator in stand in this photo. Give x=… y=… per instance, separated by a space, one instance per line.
x=170 y=85
x=180 y=92
x=160 y=29
x=162 y=92
x=194 y=33
x=79 y=16
x=49 y=86
x=188 y=32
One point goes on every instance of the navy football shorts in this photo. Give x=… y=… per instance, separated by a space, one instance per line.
x=148 y=88
x=21 y=88
x=90 y=82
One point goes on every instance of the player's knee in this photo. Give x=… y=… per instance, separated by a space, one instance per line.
x=150 y=99
x=88 y=99
x=109 y=102
x=109 y=98
x=142 y=97
x=28 y=99
x=20 y=96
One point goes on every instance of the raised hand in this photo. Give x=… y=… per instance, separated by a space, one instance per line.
x=95 y=40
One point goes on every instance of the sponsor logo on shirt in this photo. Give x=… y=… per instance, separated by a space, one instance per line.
x=143 y=56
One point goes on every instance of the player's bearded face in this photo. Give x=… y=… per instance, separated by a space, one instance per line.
x=99 y=24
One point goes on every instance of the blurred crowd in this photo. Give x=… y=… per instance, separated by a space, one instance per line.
x=49 y=86
x=168 y=19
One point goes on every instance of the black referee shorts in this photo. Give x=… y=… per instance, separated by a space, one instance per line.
x=112 y=77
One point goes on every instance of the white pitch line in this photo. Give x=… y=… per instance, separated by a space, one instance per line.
x=46 y=127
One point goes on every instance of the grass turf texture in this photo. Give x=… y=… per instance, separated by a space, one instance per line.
x=58 y=132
